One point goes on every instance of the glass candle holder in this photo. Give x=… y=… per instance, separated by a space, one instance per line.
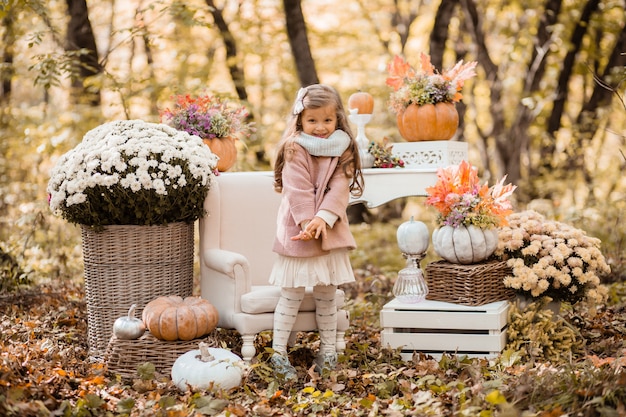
x=410 y=286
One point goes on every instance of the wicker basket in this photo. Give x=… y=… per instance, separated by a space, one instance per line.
x=127 y=265
x=470 y=285
x=124 y=356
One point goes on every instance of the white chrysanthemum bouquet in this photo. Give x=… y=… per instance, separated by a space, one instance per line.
x=550 y=258
x=131 y=172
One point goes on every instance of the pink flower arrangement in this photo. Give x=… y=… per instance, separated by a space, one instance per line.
x=207 y=116
x=426 y=86
x=462 y=200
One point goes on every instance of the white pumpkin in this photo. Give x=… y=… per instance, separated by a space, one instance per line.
x=413 y=237
x=129 y=327
x=207 y=368
x=465 y=244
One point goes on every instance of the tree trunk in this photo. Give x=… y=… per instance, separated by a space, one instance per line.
x=606 y=86
x=507 y=158
x=145 y=38
x=402 y=21
x=439 y=35
x=6 y=71
x=80 y=37
x=236 y=70
x=561 y=94
x=536 y=70
x=297 y=33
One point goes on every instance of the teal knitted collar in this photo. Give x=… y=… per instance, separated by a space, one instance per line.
x=334 y=145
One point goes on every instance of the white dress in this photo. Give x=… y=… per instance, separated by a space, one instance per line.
x=331 y=269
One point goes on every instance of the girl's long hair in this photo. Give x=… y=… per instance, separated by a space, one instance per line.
x=316 y=96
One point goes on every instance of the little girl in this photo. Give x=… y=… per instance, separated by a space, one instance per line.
x=317 y=168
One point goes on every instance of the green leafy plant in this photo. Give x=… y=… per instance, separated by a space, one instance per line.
x=12 y=274
x=132 y=172
x=536 y=334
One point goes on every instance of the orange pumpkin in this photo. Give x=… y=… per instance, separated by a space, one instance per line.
x=428 y=122
x=362 y=101
x=226 y=149
x=174 y=318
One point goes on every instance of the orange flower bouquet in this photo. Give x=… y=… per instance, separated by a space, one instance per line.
x=462 y=200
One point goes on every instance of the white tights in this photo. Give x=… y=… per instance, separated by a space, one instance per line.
x=325 y=315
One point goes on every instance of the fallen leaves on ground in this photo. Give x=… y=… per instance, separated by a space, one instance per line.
x=45 y=370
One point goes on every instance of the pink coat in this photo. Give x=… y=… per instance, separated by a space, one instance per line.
x=311 y=184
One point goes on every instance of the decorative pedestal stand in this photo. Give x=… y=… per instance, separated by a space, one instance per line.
x=413 y=239
x=360 y=120
x=410 y=286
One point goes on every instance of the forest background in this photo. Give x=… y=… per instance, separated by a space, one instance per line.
x=546 y=108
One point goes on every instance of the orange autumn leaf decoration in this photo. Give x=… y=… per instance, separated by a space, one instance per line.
x=462 y=200
x=427 y=66
x=398 y=70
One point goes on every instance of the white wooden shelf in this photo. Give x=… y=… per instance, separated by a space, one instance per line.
x=385 y=184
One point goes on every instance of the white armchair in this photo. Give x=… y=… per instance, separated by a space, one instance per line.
x=236 y=257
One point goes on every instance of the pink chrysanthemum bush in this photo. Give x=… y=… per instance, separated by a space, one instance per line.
x=551 y=258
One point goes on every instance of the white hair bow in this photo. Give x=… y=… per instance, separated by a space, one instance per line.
x=299 y=104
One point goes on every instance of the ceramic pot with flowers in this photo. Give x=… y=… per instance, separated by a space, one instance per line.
x=219 y=122
x=423 y=100
x=469 y=214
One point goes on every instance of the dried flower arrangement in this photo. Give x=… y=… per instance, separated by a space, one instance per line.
x=426 y=86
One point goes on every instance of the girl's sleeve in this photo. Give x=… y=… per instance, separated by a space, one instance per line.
x=298 y=188
x=328 y=216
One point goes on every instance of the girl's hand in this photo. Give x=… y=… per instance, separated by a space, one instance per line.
x=302 y=236
x=313 y=230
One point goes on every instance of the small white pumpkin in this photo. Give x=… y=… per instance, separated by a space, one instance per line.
x=465 y=244
x=207 y=368
x=129 y=327
x=413 y=237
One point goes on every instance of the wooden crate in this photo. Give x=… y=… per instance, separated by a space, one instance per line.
x=436 y=327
